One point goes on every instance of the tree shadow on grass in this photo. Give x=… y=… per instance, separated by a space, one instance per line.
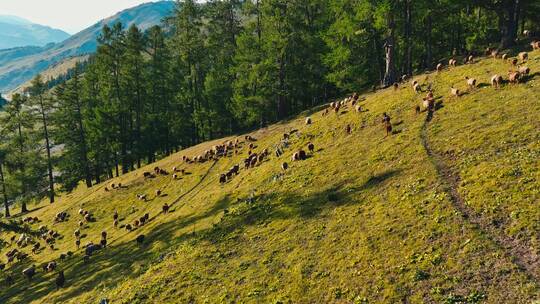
x=127 y=260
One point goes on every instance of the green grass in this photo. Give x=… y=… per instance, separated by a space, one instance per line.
x=365 y=219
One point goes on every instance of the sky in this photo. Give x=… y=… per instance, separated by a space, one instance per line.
x=71 y=16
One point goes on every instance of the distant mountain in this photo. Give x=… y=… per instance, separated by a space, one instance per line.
x=17 y=32
x=21 y=64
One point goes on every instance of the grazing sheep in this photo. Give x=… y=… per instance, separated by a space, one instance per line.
x=302 y=155
x=524 y=70
x=348 y=129
x=36 y=247
x=222 y=178
x=311 y=147
x=514 y=77
x=81 y=211
x=452 y=62
x=470 y=59
x=471 y=82
x=104 y=234
x=396 y=87
x=514 y=61
x=60 y=280
x=115 y=223
x=387 y=121
x=106 y=189
x=140 y=239
x=417 y=88
x=81 y=223
x=128 y=227
x=103 y=243
x=496 y=81
x=284 y=166
x=165 y=208
x=523 y=56
x=51 y=266
x=308 y=121
x=439 y=68
x=535 y=45
x=78 y=244
x=504 y=56
x=417 y=109
x=455 y=92
x=29 y=272
x=494 y=54
x=115 y=215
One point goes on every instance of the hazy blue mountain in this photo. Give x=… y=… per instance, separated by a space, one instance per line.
x=21 y=64
x=17 y=32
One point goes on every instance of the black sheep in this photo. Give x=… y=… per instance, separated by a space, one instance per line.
x=29 y=272
x=140 y=239
x=60 y=280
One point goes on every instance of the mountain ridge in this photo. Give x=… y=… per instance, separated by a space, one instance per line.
x=18 y=65
x=19 y=32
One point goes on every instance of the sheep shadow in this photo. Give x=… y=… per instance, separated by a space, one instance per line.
x=483 y=85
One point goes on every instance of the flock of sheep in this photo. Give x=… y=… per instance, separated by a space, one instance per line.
x=229 y=148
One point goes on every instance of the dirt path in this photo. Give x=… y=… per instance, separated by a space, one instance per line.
x=515 y=250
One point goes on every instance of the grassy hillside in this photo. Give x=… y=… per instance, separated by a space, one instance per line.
x=54 y=71
x=445 y=210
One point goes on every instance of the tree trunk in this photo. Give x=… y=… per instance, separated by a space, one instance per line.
x=82 y=139
x=48 y=148
x=509 y=21
x=281 y=106
x=4 y=192
x=408 y=39
x=429 y=53
x=389 y=50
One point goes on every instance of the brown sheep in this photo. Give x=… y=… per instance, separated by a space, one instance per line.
x=535 y=45
x=348 y=129
x=471 y=82
x=417 y=88
x=454 y=92
x=165 y=208
x=513 y=77
x=311 y=147
x=158 y=193
x=496 y=81
x=523 y=56
x=396 y=87
x=514 y=61
x=417 y=109
x=524 y=70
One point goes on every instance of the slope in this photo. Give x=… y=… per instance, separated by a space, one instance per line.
x=442 y=211
x=25 y=63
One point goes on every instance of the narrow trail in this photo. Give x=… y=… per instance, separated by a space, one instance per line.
x=518 y=252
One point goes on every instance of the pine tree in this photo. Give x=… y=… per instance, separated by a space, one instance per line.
x=37 y=92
